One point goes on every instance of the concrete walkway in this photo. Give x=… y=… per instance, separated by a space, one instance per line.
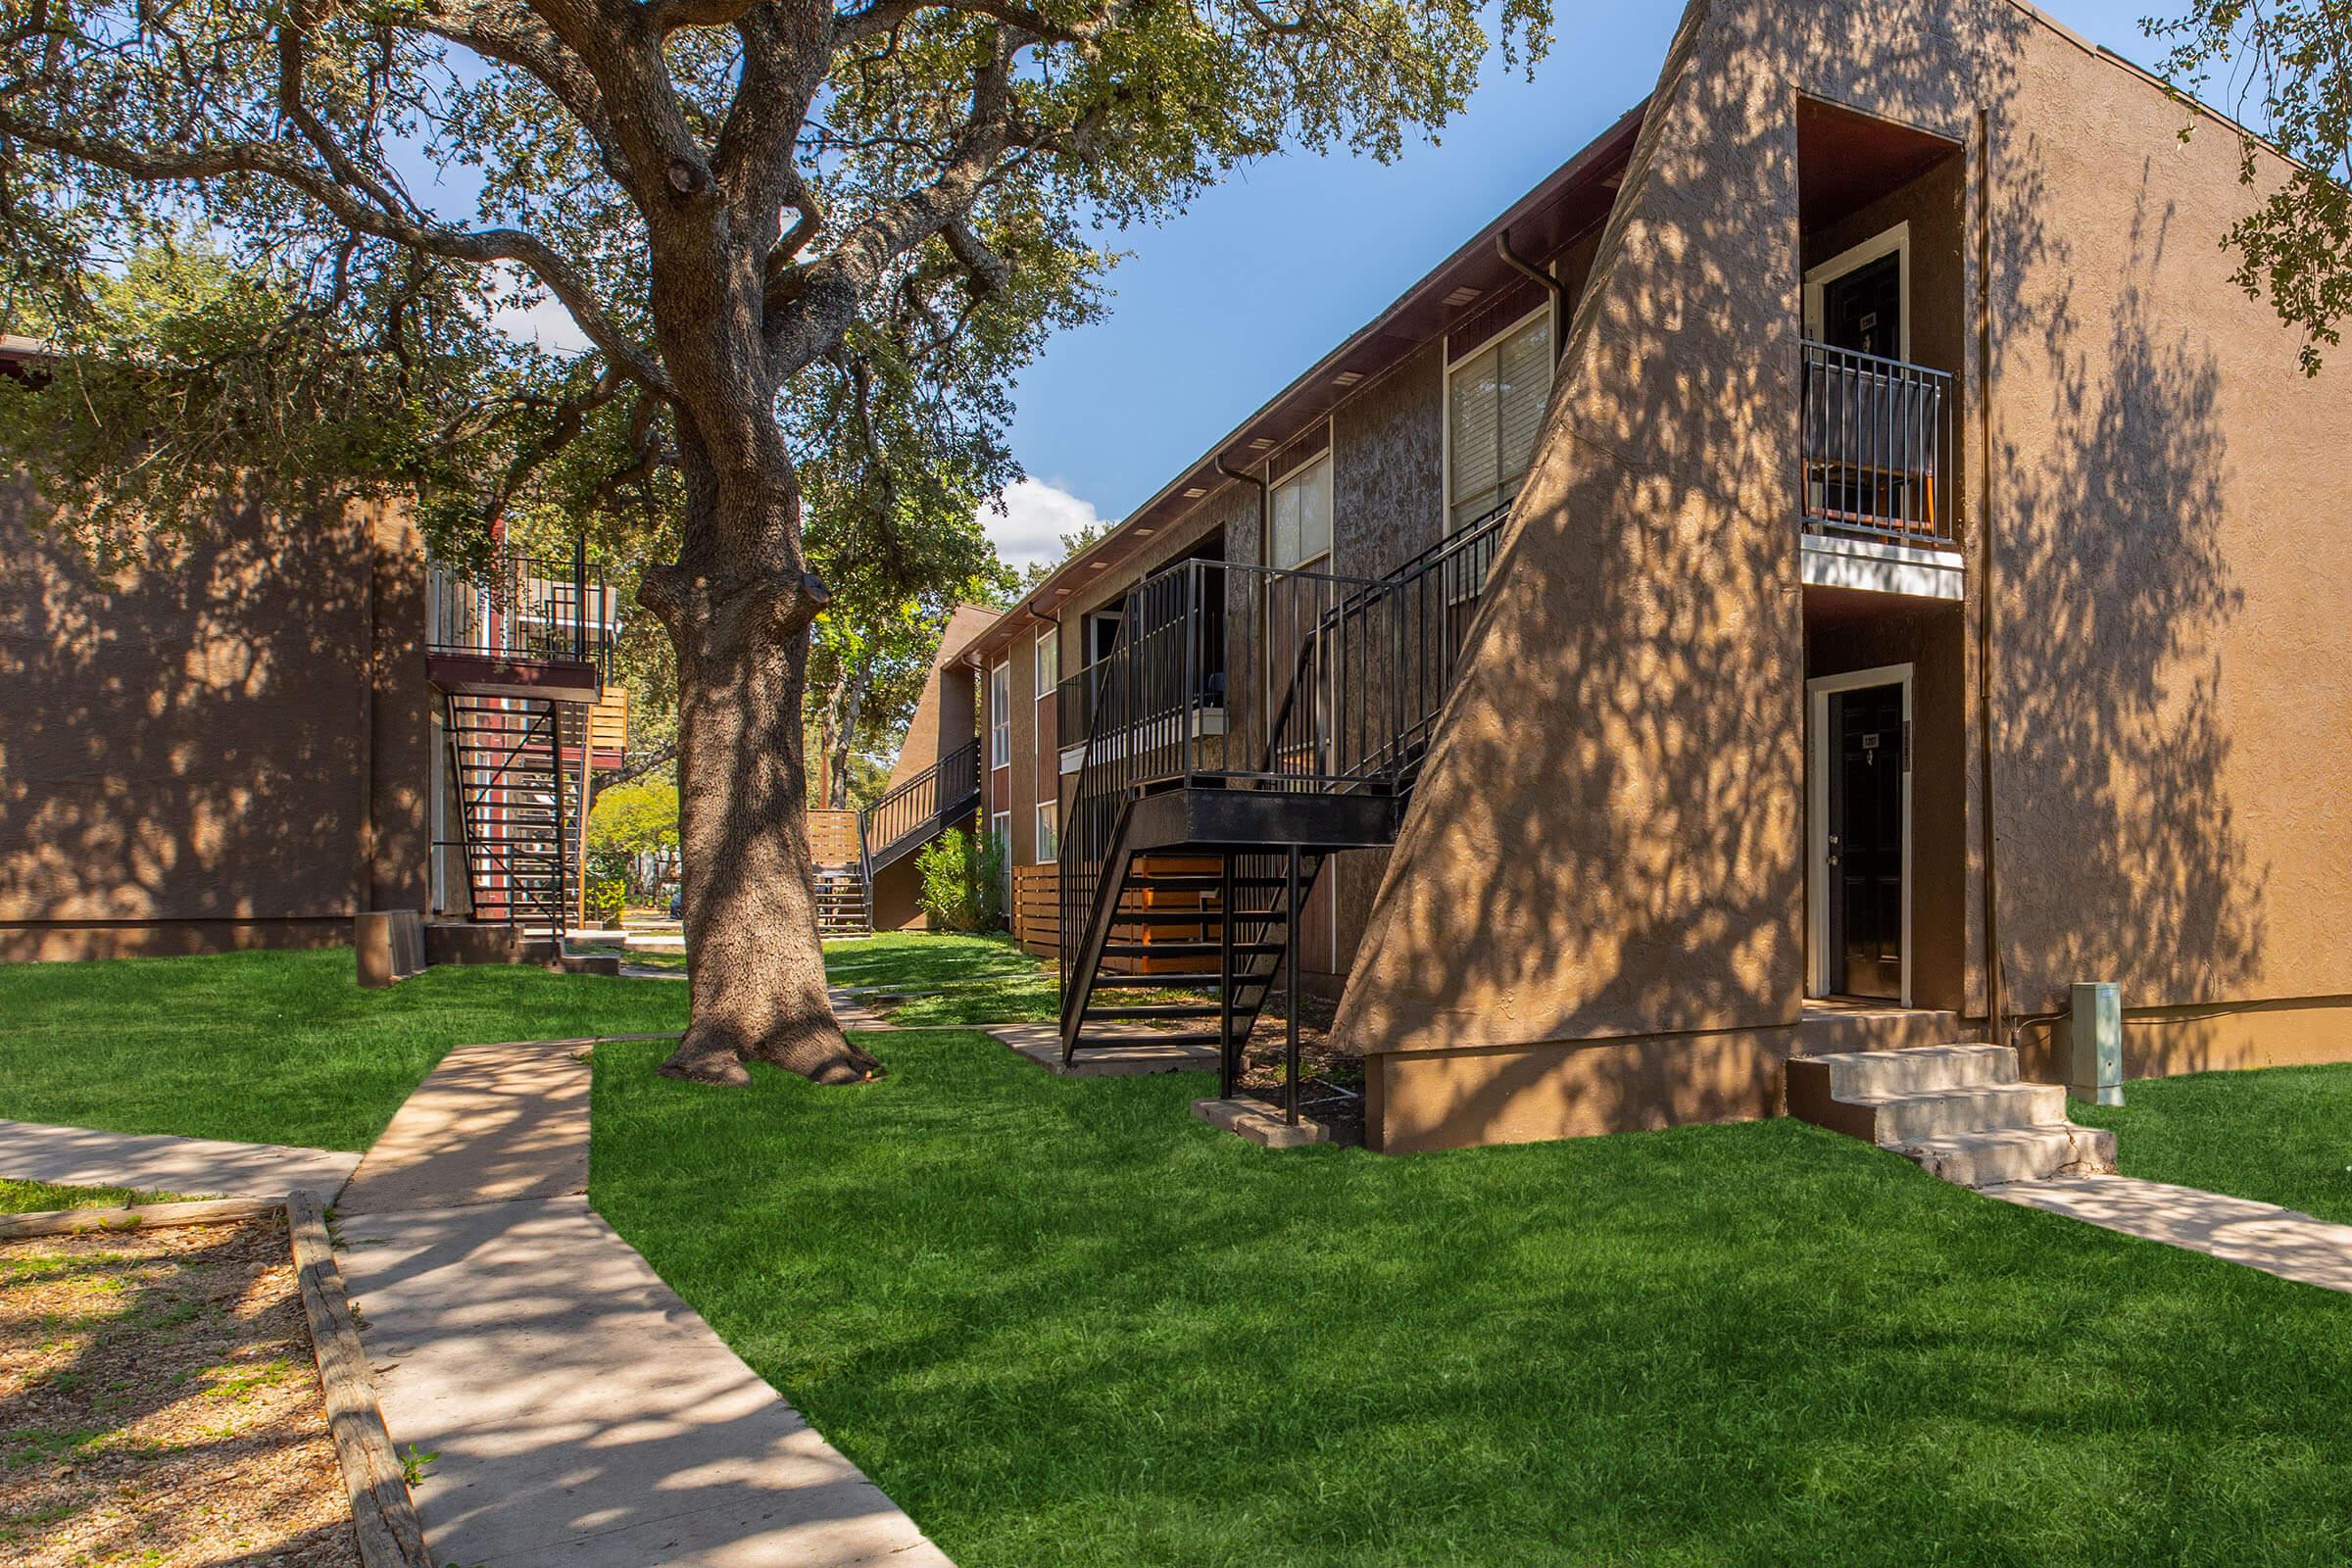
x=2277 y=1241
x=192 y=1167
x=1141 y=1049
x=491 y=1124
x=584 y=1416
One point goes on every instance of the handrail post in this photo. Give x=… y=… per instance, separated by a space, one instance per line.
x=1290 y=1011
x=1193 y=697
x=579 y=596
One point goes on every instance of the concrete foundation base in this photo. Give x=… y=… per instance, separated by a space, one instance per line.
x=1252 y=1119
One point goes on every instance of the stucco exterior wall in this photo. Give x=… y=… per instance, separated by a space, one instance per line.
x=1608 y=841
x=225 y=746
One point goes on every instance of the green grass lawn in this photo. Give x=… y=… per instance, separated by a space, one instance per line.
x=1061 y=1322
x=39 y=1197
x=273 y=1047
x=2283 y=1135
x=916 y=961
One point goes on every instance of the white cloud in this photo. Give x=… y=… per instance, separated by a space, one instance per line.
x=1035 y=517
x=529 y=314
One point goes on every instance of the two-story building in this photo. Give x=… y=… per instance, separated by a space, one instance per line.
x=1835 y=563
x=248 y=738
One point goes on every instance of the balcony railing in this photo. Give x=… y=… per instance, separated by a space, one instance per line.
x=524 y=606
x=1875 y=437
x=1327 y=684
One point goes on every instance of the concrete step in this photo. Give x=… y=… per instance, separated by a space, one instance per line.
x=1920 y=1069
x=1958 y=1110
x=1896 y=1121
x=2016 y=1155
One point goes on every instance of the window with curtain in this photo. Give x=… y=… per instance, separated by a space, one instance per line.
x=1000 y=715
x=1298 y=517
x=1494 y=412
x=1049 y=830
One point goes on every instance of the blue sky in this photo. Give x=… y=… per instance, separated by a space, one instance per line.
x=1217 y=310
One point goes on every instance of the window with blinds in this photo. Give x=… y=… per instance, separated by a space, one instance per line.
x=1300 y=514
x=1049 y=659
x=1494 y=410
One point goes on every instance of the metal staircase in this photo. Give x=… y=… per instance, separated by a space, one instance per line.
x=913 y=813
x=517 y=806
x=1248 y=723
x=845 y=904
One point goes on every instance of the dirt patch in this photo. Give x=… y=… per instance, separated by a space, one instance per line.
x=159 y=1404
x=1331 y=1086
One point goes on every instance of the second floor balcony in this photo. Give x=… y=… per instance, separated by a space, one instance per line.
x=523 y=609
x=1876 y=472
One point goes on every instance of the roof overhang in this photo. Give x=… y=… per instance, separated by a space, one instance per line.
x=1474 y=286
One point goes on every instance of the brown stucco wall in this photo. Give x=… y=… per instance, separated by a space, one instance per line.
x=1388 y=452
x=944 y=714
x=1607 y=845
x=224 y=745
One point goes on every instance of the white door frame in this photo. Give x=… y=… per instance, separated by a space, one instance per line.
x=1818 y=762
x=1896 y=242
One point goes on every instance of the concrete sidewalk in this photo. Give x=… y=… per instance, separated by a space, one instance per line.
x=491 y=1124
x=2277 y=1241
x=194 y=1168
x=582 y=1414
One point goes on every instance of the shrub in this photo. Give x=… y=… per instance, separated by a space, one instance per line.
x=606 y=897
x=962 y=881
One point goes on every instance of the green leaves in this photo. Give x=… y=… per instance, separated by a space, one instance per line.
x=2287 y=67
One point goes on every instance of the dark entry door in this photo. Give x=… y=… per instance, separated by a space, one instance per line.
x=1863 y=310
x=1866 y=842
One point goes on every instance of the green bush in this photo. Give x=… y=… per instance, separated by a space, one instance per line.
x=962 y=881
x=606 y=897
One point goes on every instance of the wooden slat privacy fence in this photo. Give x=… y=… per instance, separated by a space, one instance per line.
x=833 y=838
x=1036 y=913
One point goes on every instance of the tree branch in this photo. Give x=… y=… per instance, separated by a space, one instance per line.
x=267 y=160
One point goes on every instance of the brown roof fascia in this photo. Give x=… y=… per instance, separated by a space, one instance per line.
x=1563 y=205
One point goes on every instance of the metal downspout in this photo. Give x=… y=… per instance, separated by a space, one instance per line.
x=1559 y=291
x=1994 y=1001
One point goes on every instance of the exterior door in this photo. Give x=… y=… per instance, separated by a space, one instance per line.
x=1863 y=310
x=1864 y=846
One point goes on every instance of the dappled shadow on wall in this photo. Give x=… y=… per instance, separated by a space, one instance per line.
x=185 y=740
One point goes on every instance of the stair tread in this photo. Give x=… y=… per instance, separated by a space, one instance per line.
x=1921 y=1097
x=1957 y=1049
x=1172 y=1011
x=1182 y=950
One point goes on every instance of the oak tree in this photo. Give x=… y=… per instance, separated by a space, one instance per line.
x=719 y=192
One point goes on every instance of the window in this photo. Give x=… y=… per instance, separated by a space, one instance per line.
x=1299 y=517
x=1000 y=828
x=1494 y=412
x=1102 y=635
x=1000 y=715
x=1049 y=829
x=1049 y=659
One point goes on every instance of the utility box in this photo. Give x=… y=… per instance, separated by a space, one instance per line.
x=2094 y=1057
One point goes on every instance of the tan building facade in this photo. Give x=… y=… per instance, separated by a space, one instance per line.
x=1840 y=555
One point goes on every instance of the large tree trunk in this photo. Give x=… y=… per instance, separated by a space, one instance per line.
x=757 y=977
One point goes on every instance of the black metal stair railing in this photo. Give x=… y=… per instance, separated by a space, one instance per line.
x=914 y=811
x=524 y=606
x=1367 y=680
x=1338 y=691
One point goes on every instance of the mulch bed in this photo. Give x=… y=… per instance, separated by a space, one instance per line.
x=159 y=1406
